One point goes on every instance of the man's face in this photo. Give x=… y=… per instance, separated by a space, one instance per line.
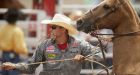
x=57 y=31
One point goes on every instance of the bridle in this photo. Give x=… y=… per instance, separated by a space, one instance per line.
x=108 y=12
x=115 y=35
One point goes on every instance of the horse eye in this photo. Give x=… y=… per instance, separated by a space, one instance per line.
x=106 y=6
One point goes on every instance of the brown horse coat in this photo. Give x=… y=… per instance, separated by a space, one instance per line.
x=126 y=49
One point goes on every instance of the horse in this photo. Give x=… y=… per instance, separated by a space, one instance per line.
x=120 y=16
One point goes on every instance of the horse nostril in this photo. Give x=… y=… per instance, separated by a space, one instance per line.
x=79 y=22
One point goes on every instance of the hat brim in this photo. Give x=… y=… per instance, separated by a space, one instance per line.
x=70 y=28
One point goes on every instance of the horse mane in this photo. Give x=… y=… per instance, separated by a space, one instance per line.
x=134 y=13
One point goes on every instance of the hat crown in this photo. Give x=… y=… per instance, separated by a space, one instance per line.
x=61 y=18
x=63 y=21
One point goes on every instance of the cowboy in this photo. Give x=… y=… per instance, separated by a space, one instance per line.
x=60 y=46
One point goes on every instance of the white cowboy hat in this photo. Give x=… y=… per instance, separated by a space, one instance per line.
x=63 y=21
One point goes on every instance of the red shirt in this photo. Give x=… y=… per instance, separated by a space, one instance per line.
x=62 y=46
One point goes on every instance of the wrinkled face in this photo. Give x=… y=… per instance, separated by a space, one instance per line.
x=104 y=15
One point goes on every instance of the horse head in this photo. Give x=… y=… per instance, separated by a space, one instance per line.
x=107 y=14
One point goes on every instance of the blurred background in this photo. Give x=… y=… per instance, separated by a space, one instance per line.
x=33 y=11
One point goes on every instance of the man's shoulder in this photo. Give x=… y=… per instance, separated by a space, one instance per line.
x=14 y=29
x=83 y=43
x=80 y=41
x=43 y=44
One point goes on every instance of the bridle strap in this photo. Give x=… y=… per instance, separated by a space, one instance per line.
x=111 y=10
x=115 y=35
x=108 y=12
x=102 y=50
